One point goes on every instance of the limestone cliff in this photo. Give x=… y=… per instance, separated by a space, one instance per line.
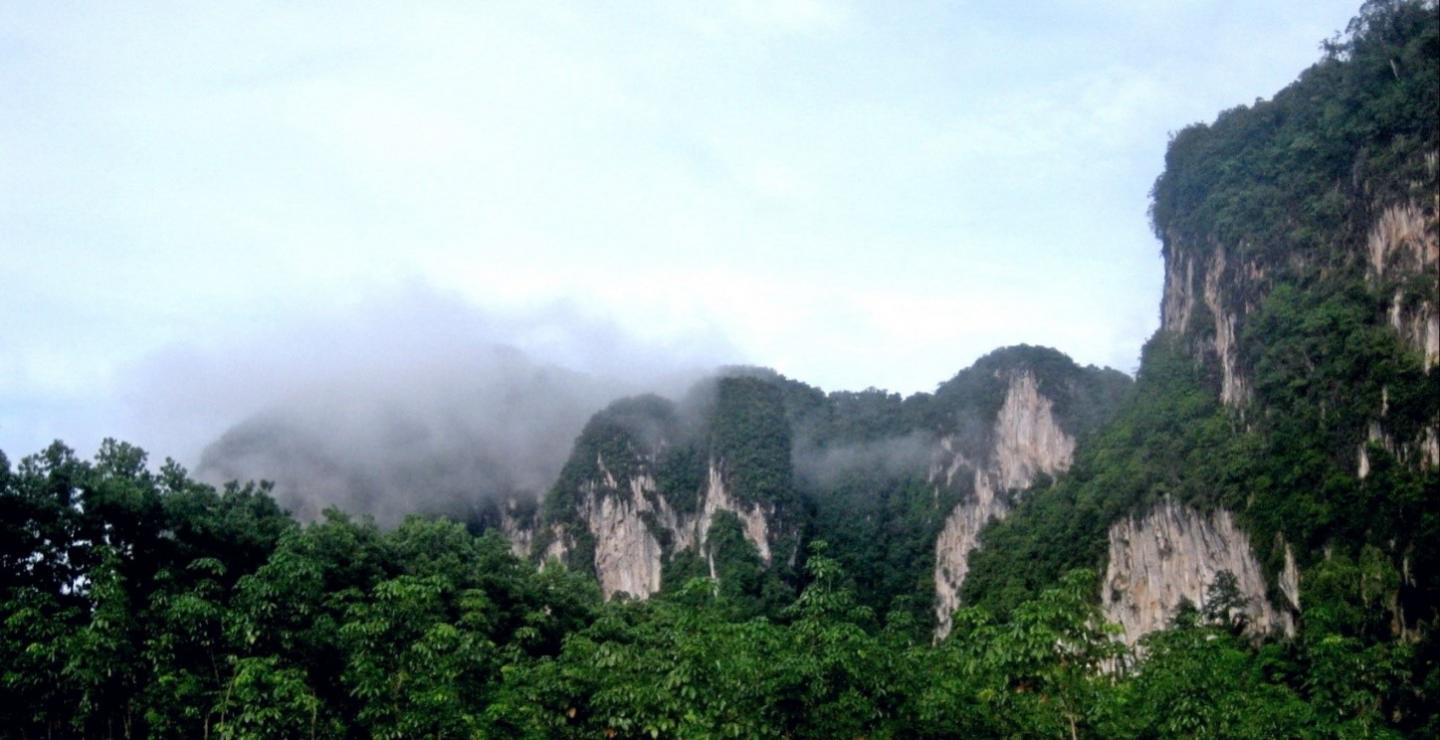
x=1213 y=284
x=1403 y=250
x=1027 y=440
x=1290 y=298
x=1403 y=243
x=627 y=553
x=517 y=525
x=640 y=488
x=1201 y=300
x=1172 y=555
x=755 y=518
x=911 y=482
x=634 y=528
x=1290 y=396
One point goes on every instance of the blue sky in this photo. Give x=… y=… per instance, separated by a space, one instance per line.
x=857 y=194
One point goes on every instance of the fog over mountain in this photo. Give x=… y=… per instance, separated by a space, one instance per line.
x=417 y=401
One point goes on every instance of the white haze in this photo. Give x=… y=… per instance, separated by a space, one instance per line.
x=407 y=400
x=214 y=210
x=908 y=454
x=856 y=193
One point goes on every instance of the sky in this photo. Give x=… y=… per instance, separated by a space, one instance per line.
x=196 y=199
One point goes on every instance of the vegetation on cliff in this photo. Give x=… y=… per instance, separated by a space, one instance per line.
x=1324 y=363
x=148 y=605
x=141 y=603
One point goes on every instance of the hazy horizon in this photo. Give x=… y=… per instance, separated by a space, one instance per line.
x=207 y=210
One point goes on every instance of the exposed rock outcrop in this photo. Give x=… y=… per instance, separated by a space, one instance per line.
x=518 y=530
x=1208 y=292
x=1026 y=441
x=1290 y=578
x=557 y=547
x=627 y=553
x=960 y=536
x=1403 y=251
x=1182 y=296
x=1028 y=438
x=754 y=517
x=1374 y=435
x=1402 y=245
x=627 y=517
x=649 y=479
x=1172 y=555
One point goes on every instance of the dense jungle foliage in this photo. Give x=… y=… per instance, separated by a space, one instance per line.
x=139 y=604
x=1302 y=175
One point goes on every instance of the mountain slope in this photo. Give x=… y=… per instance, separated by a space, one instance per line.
x=1292 y=383
x=898 y=487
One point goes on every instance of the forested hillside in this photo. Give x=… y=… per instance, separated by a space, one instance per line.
x=141 y=604
x=1293 y=380
x=732 y=481
x=1242 y=542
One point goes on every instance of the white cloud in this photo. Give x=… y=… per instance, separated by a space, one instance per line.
x=860 y=194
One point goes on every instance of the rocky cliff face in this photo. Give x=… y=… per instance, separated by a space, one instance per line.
x=1403 y=247
x=1293 y=379
x=960 y=536
x=1209 y=292
x=627 y=553
x=1027 y=440
x=1172 y=555
x=1201 y=300
x=517 y=527
x=1211 y=289
x=1403 y=251
x=647 y=481
x=755 y=518
x=634 y=527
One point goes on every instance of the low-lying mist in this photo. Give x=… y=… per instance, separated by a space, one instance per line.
x=419 y=402
x=890 y=457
